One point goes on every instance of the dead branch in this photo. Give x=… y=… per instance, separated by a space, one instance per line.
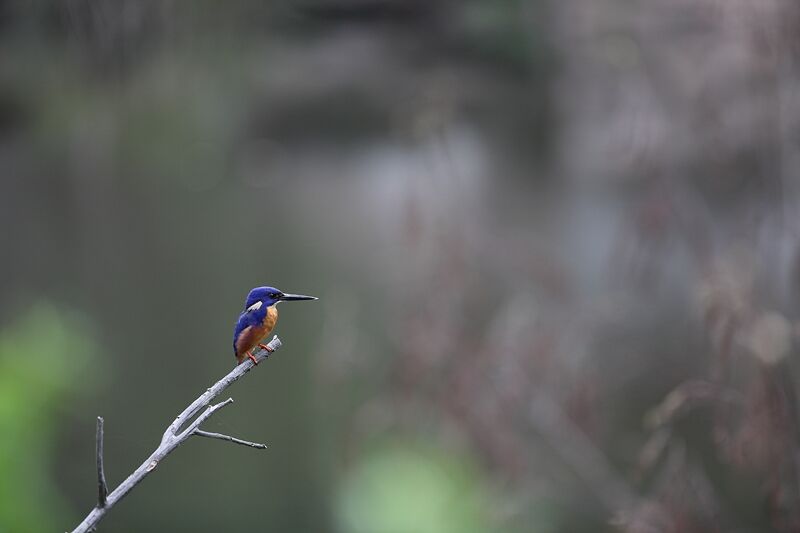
x=173 y=437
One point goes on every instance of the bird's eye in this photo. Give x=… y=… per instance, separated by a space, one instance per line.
x=274 y=295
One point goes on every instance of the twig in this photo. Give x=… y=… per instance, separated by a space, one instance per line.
x=576 y=450
x=102 y=488
x=220 y=436
x=173 y=437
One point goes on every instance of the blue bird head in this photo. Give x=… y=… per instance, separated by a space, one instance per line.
x=270 y=296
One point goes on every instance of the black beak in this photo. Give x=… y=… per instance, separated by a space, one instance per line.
x=296 y=297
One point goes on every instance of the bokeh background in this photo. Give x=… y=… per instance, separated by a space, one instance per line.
x=556 y=245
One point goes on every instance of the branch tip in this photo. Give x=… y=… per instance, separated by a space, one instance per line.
x=220 y=436
x=102 y=488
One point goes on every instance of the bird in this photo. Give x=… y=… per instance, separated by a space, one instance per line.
x=258 y=319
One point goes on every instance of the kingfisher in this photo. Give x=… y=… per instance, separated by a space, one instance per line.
x=259 y=317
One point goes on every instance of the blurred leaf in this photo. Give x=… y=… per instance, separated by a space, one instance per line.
x=42 y=359
x=411 y=489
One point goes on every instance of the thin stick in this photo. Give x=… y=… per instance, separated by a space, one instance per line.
x=173 y=437
x=220 y=436
x=102 y=488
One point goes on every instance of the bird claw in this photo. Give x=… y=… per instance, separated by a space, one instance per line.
x=267 y=348
x=252 y=358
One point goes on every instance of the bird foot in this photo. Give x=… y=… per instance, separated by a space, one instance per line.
x=267 y=348
x=252 y=358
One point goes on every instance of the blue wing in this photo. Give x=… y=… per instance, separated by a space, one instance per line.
x=251 y=317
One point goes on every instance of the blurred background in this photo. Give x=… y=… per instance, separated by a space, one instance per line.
x=556 y=245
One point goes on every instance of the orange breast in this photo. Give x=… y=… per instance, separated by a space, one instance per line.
x=271 y=319
x=267 y=325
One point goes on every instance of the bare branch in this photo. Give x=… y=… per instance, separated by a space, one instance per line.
x=102 y=488
x=215 y=390
x=220 y=436
x=172 y=438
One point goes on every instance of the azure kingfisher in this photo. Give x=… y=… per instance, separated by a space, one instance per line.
x=259 y=317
